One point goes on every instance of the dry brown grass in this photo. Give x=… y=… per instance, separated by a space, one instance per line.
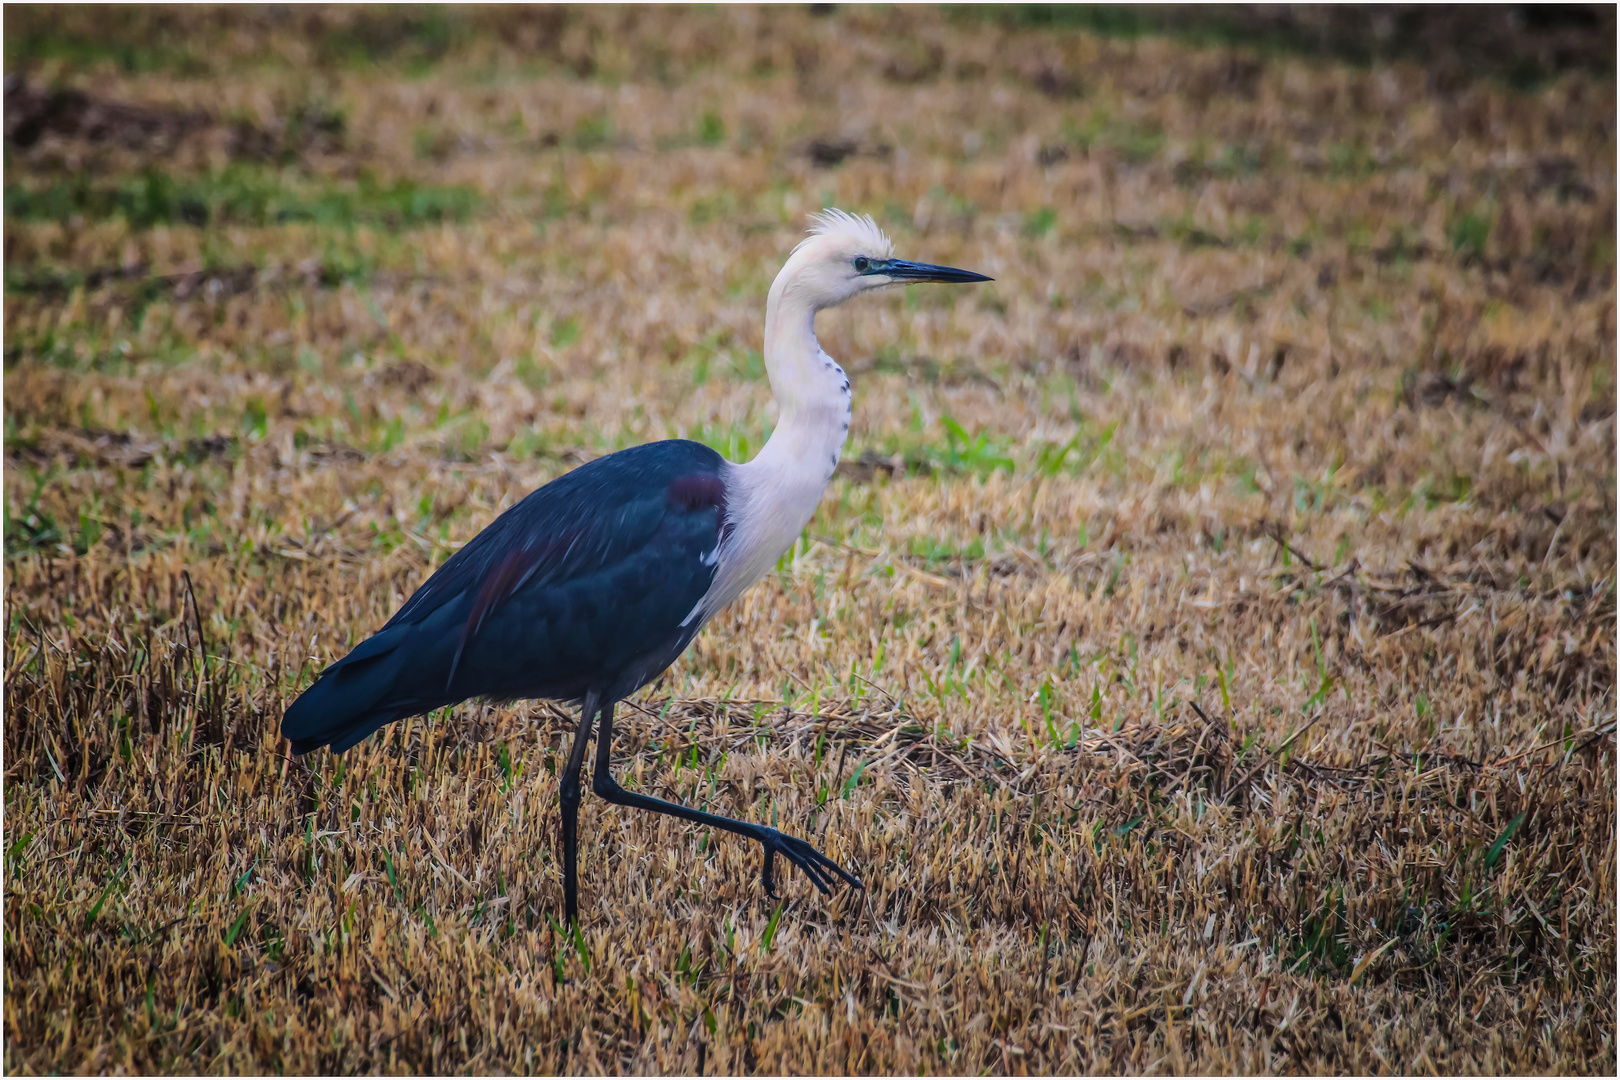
x=1268 y=728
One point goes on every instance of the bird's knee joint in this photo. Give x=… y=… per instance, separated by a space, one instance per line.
x=604 y=785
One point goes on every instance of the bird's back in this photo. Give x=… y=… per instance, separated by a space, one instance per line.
x=583 y=585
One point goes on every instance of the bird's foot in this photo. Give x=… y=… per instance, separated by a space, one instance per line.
x=816 y=866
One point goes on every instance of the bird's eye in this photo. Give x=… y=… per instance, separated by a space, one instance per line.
x=862 y=264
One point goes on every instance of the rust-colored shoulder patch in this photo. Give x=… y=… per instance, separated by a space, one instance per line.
x=695 y=491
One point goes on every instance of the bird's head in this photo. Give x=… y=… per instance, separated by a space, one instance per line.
x=846 y=255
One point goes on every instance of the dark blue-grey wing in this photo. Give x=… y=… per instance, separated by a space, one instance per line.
x=582 y=585
x=601 y=511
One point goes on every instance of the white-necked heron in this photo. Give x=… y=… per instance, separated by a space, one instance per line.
x=591 y=586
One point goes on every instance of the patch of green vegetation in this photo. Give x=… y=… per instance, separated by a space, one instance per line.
x=748 y=364
x=1107 y=19
x=1474 y=46
x=935 y=551
x=413 y=37
x=83 y=346
x=1350 y=161
x=593 y=130
x=431 y=145
x=1323 y=942
x=1184 y=232
x=713 y=208
x=1469 y=233
x=31 y=528
x=1236 y=160
x=734 y=441
x=978 y=454
x=240 y=195
x=117 y=43
x=1077 y=454
x=1135 y=142
x=711 y=129
x=1037 y=223
x=565 y=333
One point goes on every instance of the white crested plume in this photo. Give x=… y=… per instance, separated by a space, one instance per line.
x=857 y=227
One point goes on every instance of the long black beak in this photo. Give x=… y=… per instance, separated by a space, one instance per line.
x=916 y=271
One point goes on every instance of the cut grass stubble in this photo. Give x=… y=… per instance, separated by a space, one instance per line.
x=1205 y=653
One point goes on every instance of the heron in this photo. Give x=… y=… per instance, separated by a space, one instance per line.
x=591 y=586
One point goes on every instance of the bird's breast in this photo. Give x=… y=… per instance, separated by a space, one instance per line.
x=765 y=513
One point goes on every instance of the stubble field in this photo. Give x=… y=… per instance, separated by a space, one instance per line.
x=1205 y=653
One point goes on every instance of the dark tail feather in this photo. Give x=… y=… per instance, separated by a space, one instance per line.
x=352 y=698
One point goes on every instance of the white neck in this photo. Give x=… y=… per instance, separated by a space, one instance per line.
x=811 y=391
x=770 y=499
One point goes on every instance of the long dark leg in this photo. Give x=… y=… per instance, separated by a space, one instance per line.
x=568 y=795
x=816 y=866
